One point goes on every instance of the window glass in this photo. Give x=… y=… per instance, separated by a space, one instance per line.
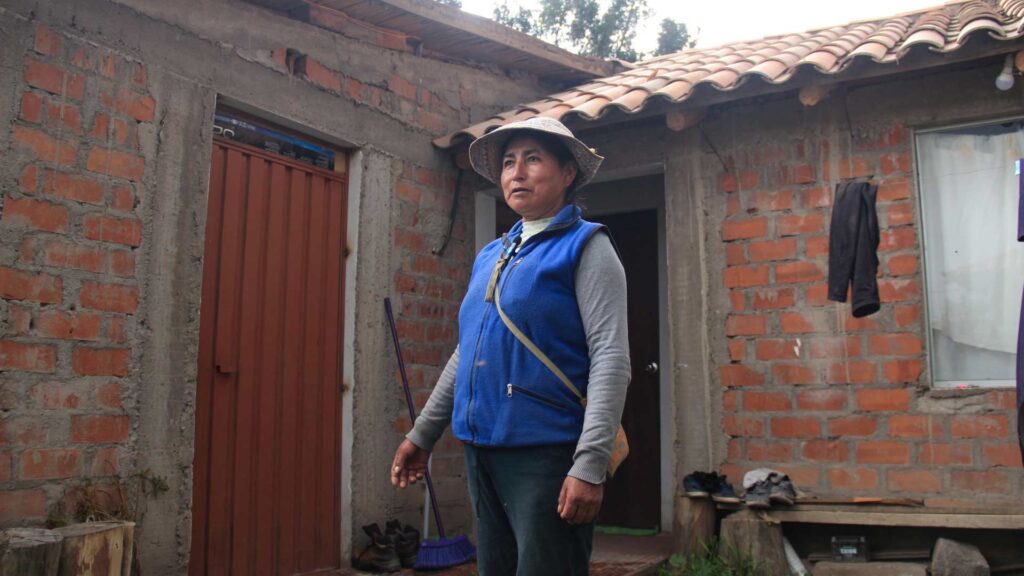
x=974 y=266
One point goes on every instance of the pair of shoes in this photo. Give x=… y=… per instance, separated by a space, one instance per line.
x=380 y=554
x=407 y=542
x=704 y=484
x=775 y=489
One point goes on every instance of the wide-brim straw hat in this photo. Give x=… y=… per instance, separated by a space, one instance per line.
x=485 y=153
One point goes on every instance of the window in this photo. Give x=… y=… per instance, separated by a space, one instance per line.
x=974 y=266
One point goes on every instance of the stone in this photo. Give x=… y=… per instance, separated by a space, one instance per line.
x=952 y=558
x=870 y=569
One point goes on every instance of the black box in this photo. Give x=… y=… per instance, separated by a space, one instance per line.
x=849 y=548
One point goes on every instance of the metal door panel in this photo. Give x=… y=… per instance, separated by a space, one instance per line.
x=267 y=473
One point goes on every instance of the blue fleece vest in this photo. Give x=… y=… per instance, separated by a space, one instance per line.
x=504 y=396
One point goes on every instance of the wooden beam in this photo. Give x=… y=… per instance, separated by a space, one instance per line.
x=679 y=120
x=454 y=18
x=281 y=5
x=815 y=93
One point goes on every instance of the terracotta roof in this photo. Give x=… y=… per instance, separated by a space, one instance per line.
x=774 y=60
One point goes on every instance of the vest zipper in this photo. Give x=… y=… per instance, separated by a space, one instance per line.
x=535 y=396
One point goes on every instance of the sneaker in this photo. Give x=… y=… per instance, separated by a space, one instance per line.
x=379 y=555
x=780 y=490
x=757 y=496
x=407 y=542
x=724 y=491
x=695 y=485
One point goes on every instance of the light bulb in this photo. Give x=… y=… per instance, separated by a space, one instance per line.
x=1005 y=79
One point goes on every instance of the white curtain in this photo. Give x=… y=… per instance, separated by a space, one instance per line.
x=974 y=265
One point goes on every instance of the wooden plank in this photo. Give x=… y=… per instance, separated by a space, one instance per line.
x=909 y=519
x=891 y=509
x=453 y=18
x=280 y=5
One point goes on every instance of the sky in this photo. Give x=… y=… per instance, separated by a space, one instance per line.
x=723 y=21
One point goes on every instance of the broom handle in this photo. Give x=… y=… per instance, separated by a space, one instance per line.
x=412 y=411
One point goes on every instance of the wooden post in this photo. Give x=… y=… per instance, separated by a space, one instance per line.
x=97 y=548
x=29 y=551
x=746 y=534
x=694 y=525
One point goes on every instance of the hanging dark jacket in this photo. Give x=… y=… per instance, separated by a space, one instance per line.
x=853 y=247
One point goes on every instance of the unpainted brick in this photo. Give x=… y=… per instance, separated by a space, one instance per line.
x=846 y=478
x=739 y=375
x=34 y=286
x=109 y=297
x=882 y=452
x=852 y=426
x=44 y=146
x=99 y=429
x=921 y=481
x=116 y=164
x=50 y=463
x=101 y=361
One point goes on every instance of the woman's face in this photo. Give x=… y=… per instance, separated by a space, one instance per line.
x=532 y=180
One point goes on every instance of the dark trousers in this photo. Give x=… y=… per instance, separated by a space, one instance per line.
x=515 y=496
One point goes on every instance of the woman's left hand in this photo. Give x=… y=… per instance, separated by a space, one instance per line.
x=579 y=501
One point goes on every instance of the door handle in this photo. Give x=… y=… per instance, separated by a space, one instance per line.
x=651 y=368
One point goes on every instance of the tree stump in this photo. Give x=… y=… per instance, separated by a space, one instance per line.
x=97 y=548
x=694 y=525
x=746 y=534
x=29 y=551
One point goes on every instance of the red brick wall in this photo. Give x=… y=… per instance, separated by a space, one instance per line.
x=430 y=290
x=70 y=291
x=842 y=404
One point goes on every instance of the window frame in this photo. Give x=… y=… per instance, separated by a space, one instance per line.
x=923 y=259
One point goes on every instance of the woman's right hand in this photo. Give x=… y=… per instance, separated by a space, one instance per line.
x=409 y=465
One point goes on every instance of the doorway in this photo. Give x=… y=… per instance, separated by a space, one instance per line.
x=267 y=485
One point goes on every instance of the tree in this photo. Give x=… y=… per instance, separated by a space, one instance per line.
x=580 y=25
x=673 y=37
x=454 y=3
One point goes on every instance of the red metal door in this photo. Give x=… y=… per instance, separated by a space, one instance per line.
x=267 y=485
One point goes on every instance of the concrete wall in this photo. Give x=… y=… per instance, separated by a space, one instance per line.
x=767 y=371
x=106 y=111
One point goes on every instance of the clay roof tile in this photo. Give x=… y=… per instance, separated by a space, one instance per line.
x=774 y=59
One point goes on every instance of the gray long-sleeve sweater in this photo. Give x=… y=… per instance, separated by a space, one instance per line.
x=601 y=295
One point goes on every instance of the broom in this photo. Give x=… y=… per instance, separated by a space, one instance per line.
x=441 y=553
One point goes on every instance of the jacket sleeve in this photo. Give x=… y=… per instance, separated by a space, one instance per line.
x=437 y=414
x=601 y=295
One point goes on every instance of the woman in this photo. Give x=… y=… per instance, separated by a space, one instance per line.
x=536 y=456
